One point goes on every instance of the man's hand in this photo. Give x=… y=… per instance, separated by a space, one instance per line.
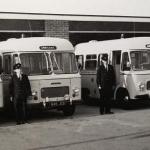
x=99 y=87
x=11 y=98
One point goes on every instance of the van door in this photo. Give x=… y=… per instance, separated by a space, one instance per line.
x=7 y=68
x=88 y=76
x=125 y=69
x=116 y=56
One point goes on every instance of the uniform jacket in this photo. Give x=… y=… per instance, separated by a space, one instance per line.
x=19 y=88
x=106 y=77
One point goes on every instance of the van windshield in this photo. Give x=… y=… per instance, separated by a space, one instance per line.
x=140 y=60
x=35 y=63
x=64 y=63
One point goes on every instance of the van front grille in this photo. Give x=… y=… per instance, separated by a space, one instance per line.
x=51 y=92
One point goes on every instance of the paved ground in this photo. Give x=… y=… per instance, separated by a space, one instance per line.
x=86 y=130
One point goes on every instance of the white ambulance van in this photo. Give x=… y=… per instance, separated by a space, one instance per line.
x=51 y=66
x=131 y=61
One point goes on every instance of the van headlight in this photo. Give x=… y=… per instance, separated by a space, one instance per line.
x=35 y=95
x=66 y=97
x=141 y=86
x=75 y=92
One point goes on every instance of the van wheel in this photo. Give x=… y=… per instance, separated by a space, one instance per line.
x=123 y=98
x=69 y=110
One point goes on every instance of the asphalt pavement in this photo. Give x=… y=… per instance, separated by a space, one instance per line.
x=85 y=130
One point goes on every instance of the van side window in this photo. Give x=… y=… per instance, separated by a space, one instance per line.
x=7 y=64
x=80 y=62
x=125 y=62
x=91 y=62
x=91 y=56
x=1 y=70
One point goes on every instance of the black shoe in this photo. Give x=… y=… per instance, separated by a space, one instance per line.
x=27 y=122
x=110 y=112
x=101 y=113
x=23 y=122
x=18 y=123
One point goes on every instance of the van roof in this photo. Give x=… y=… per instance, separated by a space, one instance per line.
x=94 y=47
x=34 y=43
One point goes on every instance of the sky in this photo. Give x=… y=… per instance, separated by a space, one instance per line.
x=81 y=7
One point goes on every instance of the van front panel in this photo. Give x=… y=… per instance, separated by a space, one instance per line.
x=137 y=84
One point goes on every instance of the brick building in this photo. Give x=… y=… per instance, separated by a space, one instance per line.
x=75 y=28
x=15 y=28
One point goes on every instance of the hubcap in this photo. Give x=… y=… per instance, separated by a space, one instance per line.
x=126 y=98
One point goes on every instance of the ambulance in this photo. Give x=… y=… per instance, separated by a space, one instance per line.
x=130 y=58
x=52 y=70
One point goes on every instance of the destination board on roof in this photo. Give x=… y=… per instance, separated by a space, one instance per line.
x=148 y=45
x=48 y=47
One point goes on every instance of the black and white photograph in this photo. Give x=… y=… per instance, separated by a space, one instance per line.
x=74 y=75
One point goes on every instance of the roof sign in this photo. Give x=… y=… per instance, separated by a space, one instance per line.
x=48 y=47
x=147 y=45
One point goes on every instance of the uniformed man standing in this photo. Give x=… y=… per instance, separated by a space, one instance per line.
x=105 y=83
x=20 y=89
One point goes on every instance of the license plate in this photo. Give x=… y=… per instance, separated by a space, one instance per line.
x=57 y=103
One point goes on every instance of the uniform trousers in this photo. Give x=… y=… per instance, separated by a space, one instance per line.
x=20 y=106
x=105 y=101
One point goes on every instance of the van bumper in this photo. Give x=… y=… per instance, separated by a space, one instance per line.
x=145 y=96
x=55 y=104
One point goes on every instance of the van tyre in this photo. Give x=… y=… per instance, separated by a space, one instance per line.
x=123 y=99
x=69 y=110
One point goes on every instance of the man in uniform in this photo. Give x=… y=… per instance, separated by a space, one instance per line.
x=20 y=89
x=105 y=83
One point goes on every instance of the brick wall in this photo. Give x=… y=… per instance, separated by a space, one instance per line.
x=57 y=28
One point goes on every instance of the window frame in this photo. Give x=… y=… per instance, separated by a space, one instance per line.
x=90 y=58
